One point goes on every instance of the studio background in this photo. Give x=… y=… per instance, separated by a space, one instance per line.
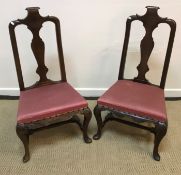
x=92 y=38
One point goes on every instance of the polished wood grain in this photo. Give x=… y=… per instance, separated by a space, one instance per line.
x=34 y=22
x=150 y=21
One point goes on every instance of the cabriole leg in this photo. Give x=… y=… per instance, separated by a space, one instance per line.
x=97 y=113
x=87 y=117
x=160 y=132
x=23 y=134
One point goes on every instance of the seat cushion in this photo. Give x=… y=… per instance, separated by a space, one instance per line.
x=48 y=101
x=136 y=98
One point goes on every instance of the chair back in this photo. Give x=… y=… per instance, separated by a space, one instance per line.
x=34 y=22
x=150 y=21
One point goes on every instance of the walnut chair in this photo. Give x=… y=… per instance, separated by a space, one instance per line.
x=47 y=103
x=134 y=102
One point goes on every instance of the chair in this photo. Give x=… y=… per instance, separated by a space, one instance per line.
x=134 y=102
x=47 y=103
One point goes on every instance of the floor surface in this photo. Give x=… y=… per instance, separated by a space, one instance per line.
x=61 y=151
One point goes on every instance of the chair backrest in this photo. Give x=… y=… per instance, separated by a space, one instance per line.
x=150 y=21
x=34 y=22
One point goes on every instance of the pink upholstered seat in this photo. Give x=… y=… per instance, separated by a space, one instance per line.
x=135 y=98
x=48 y=101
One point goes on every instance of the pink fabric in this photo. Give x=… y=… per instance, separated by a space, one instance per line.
x=48 y=101
x=136 y=98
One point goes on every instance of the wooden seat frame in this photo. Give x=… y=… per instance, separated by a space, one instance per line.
x=150 y=21
x=34 y=22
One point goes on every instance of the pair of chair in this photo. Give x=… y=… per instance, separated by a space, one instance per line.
x=50 y=103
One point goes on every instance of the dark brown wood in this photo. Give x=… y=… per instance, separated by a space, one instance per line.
x=87 y=117
x=34 y=22
x=25 y=130
x=97 y=114
x=150 y=21
x=160 y=131
x=23 y=133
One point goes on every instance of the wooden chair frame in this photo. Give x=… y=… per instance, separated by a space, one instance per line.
x=34 y=22
x=150 y=21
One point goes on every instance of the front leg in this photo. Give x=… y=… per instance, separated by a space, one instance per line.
x=97 y=113
x=87 y=117
x=160 y=132
x=23 y=134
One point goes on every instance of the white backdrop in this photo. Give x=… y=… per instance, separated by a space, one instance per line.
x=92 y=37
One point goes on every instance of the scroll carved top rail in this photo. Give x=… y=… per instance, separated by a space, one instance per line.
x=150 y=21
x=34 y=22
